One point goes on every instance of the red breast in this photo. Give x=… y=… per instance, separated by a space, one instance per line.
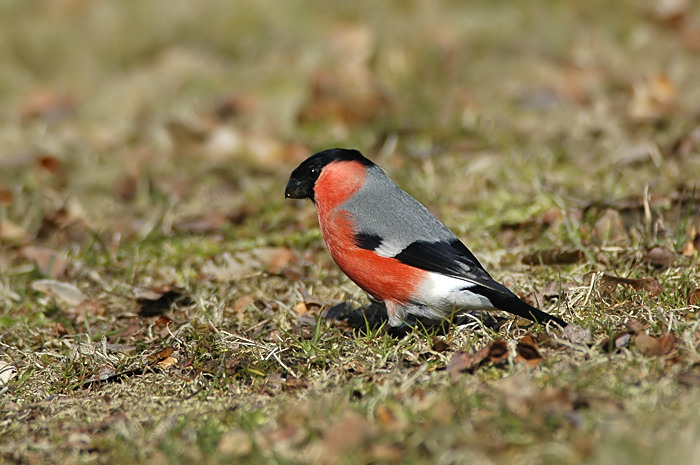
x=383 y=278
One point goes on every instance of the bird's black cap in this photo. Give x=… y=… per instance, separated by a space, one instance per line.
x=303 y=179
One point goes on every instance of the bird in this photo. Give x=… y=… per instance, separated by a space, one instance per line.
x=393 y=247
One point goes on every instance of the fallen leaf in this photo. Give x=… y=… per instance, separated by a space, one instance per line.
x=617 y=342
x=668 y=343
x=231 y=267
x=167 y=363
x=7 y=372
x=348 y=433
x=387 y=418
x=659 y=256
x=609 y=229
x=48 y=261
x=577 y=334
x=652 y=98
x=608 y=283
x=300 y=308
x=66 y=292
x=555 y=289
x=210 y=223
x=694 y=297
x=6 y=198
x=240 y=305
x=637 y=154
x=527 y=351
x=692 y=246
x=103 y=373
x=11 y=232
x=49 y=163
x=59 y=329
x=518 y=392
x=554 y=257
x=495 y=352
x=690 y=34
x=160 y=356
x=648 y=345
x=689 y=379
x=686 y=144
x=93 y=307
x=235 y=443
x=385 y=453
x=439 y=345
x=460 y=362
x=635 y=326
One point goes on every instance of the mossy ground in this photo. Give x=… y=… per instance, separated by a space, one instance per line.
x=144 y=149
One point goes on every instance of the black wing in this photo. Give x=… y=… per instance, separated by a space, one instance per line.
x=451 y=259
x=456 y=260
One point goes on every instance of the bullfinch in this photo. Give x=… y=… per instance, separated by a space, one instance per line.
x=391 y=246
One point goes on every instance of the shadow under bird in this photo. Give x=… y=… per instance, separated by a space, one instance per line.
x=391 y=246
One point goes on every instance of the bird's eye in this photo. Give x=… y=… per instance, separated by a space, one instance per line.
x=313 y=172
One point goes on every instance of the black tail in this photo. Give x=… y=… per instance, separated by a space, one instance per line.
x=512 y=304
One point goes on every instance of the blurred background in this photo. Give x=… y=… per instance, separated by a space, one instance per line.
x=142 y=116
x=144 y=150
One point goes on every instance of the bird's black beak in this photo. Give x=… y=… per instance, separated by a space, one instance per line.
x=295 y=190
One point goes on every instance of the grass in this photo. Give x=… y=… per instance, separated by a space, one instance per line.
x=144 y=150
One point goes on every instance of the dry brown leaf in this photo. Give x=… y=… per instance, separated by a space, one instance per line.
x=235 y=443
x=240 y=305
x=300 y=308
x=617 y=342
x=49 y=163
x=94 y=307
x=518 y=392
x=528 y=351
x=388 y=419
x=635 y=326
x=167 y=363
x=66 y=292
x=659 y=256
x=347 y=433
x=689 y=379
x=386 y=453
x=49 y=262
x=228 y=267
x=652 y=99
x=208 y=224
x=648 y=345
x=668 y=343
x=685 y=145
x=495 y=352
x=576 y=334
x=554 y=257
x=609 y=228
x=6 y=198
x=7 y=372
x=692 y=246
x=694 y=297
x=608 y=283
x=12 y=232
x=160 y=356
x=460 y=362
x=439 y=345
